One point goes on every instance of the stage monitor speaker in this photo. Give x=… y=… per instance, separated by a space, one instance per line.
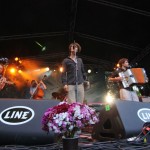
x=20 y=122
x=120 y=120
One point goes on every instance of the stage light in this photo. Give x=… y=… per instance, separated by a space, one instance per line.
x=16 y=58
x=109 y=98
x=12 y=70
x=89 y=71
x=19 y=71
x=47 y=69
x=43 y=47
x=20 y=61
x=118 y=65
x=61 y=69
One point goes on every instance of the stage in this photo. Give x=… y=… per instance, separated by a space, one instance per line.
x=84 y=144
x=118 y=122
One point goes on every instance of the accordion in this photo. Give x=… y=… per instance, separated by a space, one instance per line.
x=133 y=76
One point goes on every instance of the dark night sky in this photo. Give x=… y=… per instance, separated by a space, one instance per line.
x=106 y=29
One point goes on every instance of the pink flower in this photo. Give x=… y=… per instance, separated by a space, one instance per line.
x=66 y=119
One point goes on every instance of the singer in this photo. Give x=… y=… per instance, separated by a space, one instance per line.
x=124 y=93
x=73 y=74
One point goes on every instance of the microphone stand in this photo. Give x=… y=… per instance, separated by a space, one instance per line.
x=76 y=75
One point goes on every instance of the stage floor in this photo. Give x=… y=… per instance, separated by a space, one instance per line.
x=109 y=145
x=85 y=143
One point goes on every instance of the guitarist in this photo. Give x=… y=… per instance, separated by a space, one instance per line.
x=37 y=89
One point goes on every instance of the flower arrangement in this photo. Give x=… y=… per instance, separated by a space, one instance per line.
x=65 y=119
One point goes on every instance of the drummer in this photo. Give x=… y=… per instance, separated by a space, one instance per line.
x=125 y=93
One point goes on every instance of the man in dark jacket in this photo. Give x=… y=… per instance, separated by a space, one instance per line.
x=73 y=75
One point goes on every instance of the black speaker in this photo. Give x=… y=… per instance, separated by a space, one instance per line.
x=20 y=122
x=120 y=120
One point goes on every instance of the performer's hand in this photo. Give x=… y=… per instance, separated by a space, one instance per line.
x=86 y=85
x=119 y=78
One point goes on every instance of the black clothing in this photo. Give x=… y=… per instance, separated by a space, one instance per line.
x=116 y=74
x=69 y=73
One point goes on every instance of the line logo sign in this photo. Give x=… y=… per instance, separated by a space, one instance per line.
x=144 y=114
x=17 y=115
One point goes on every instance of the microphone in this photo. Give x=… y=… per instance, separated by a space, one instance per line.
x=75 y=48
x=129 y=67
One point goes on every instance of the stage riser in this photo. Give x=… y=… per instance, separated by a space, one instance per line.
x=20 y=121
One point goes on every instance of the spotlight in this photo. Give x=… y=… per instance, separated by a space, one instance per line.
x=16 y=58
x=12 y=70
x=47 y=68
x=20 y=61
x=61 y=69
x=89 y=71
x=43 y=47
x=19 y=71
x=109 y=97
x=117 y=65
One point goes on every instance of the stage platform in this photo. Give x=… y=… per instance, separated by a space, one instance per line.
x=27 y=135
